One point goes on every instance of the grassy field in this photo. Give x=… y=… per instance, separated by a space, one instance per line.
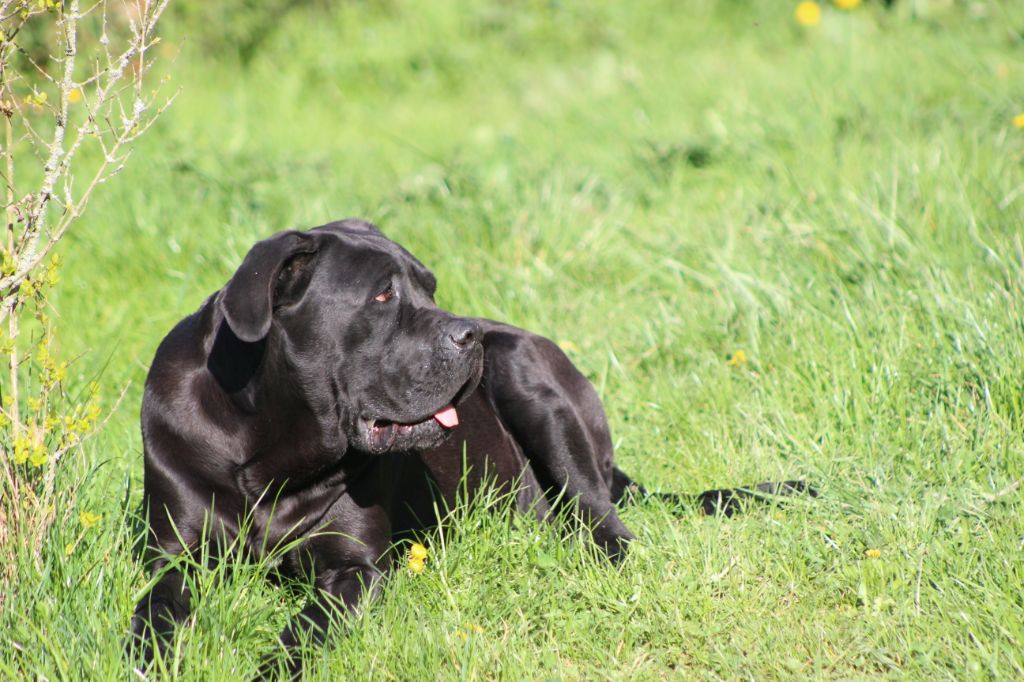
x=656 y=185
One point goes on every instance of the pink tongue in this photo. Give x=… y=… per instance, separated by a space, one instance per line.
x=447 y=417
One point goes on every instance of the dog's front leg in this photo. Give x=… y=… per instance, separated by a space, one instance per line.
x=348 y=557
x=339 y=593
x=158 y=613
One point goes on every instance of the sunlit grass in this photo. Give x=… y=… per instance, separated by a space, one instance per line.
x=777 y=251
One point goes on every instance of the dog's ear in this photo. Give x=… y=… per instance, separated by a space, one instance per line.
x=274 y=267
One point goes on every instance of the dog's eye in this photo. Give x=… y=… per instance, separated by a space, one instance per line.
x=385 y=296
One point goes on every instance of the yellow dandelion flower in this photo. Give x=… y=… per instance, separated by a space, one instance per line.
x=873 y=553
x=808 y=13
x=89 y=519
x=1018 y=121
x=75 y=96
x=737 y=359
x=568 y=346
x=847 y=4
x=417 y=558
x=464 y=633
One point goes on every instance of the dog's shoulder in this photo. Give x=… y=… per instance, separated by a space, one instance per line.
x=178 y=384
x=184 y=346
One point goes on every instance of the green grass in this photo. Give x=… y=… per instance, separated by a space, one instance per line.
x=660 y=184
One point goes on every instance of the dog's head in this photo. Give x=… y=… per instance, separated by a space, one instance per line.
x=350 y=327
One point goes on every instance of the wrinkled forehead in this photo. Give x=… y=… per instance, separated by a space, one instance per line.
x=364 y=249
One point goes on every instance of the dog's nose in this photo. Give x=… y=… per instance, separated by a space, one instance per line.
x=463 y=333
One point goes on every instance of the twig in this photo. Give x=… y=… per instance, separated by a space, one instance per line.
x=725 y=571
x=114 y=112
x=1008 y=490
x=51 y=474
x=31 y=252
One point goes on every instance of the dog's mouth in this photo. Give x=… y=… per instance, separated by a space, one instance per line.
x=383 y=435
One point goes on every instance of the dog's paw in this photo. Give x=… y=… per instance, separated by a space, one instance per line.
x=612 y=536
x=138 y=649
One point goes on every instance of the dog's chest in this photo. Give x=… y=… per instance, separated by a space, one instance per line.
x=480 y=451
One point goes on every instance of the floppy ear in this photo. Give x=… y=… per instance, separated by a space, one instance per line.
x=248 y=298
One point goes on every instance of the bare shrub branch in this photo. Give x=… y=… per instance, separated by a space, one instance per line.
x=75 y=95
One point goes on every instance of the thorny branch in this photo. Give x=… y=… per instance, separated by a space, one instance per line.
x=116 y=92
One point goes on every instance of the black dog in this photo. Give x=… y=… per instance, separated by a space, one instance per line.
x=322 y=397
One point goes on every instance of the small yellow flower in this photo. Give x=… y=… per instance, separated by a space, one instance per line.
x=847 y=4
x=89 y=519
x=417 y=558
x=469 y=629
x=22 y=446
x=59 y=373
x=39 y=456
x=418 y=552
x=808 y=13
x=737 y=359
x=36 y=99
x=75 y=96
x=873 y=553
x=1018 y=121
x=69 y=548
x=568 y=346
